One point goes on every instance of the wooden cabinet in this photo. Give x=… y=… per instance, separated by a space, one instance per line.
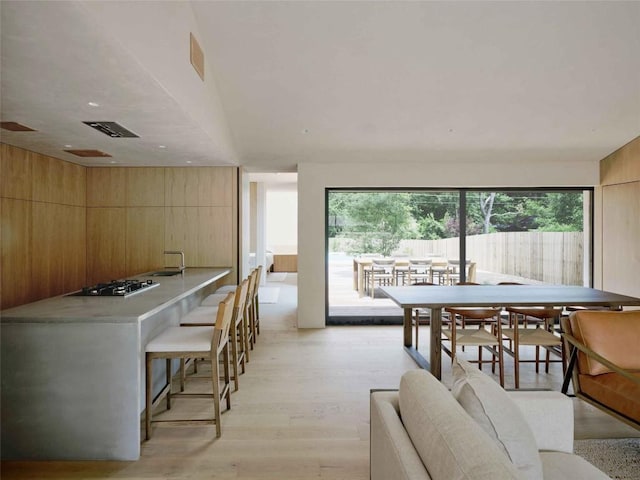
x=43 y=226
x=285 y=263
x=65 y=226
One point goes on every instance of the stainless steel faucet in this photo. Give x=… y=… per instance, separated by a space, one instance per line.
x=177 y=252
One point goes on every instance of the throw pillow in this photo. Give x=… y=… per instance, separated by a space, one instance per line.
x=450 y=444
x=489 y=405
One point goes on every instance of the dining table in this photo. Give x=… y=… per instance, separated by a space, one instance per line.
x=436 y=298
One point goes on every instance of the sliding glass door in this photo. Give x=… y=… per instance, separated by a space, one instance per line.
x=506 y=235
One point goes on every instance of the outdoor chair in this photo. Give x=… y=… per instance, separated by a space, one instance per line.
x=452 y=273
x=382 y=272
x=419 y=271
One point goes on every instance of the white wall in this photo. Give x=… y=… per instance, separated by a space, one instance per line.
x=313 y=179
x=282 y=221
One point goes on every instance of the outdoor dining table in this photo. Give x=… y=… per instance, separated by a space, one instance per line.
x=436 y=298
x=360 y=263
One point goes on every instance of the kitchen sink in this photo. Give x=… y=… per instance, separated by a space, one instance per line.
x=165 y=273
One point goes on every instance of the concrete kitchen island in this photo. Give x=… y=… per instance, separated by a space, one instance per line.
x=73 y=368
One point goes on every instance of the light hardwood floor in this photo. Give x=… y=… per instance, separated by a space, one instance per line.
x=302 y=410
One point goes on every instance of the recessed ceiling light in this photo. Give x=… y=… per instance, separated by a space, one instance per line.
x=93 y=104
x=162 y=146
x=188 y=161
x=305 y=130
x=113 y=161
x=68 y=146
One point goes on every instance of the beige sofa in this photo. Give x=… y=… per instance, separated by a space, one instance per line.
x=475 y=431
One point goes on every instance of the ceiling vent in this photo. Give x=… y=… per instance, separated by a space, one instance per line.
x=88 y=153
x=16 y=127
x=112 y=129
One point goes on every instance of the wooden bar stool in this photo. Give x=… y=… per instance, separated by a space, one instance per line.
x=211 y=343
x=256 y=301
x=205 y=316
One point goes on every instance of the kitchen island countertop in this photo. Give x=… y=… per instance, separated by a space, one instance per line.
x=73 y=368
x=71 y=309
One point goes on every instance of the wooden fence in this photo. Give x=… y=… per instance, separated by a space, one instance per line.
x=549 y=257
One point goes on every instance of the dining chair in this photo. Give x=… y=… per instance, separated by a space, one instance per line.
x=533 y=327
x=206 y=316
x=211 y=343
x=473 y=323
x=474 y=333
x=382 y=273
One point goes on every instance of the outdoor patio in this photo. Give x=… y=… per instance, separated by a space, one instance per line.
x=347 y=307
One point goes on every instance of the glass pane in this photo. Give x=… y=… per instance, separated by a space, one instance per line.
x=398 y=225
x=530 y=237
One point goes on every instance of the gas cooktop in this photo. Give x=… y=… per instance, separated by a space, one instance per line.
x=116 y=288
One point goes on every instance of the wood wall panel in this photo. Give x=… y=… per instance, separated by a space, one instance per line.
x=74 y=184
x=106 y=187
x=199 y=186
x=65 y=226
x=620 y=234
x=48 y=249
x=75 y=247
x=223 y=187
x=215 y=237
x=16 y=252
x=177 y=189
x=144 y=239
x=181 y=227
x=106 y=253
x=622 y=166
x=48 y=179
x=145 y=187
x=15 y=172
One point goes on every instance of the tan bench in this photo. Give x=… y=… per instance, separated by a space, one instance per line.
x=604 y=362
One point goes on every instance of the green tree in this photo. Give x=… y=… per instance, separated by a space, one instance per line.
x=377 y=221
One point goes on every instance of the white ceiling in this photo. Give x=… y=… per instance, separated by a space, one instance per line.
x=317 y=81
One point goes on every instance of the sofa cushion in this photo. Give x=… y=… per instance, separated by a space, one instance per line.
x=612 y=335
x=490 y=406
x=449 y=442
